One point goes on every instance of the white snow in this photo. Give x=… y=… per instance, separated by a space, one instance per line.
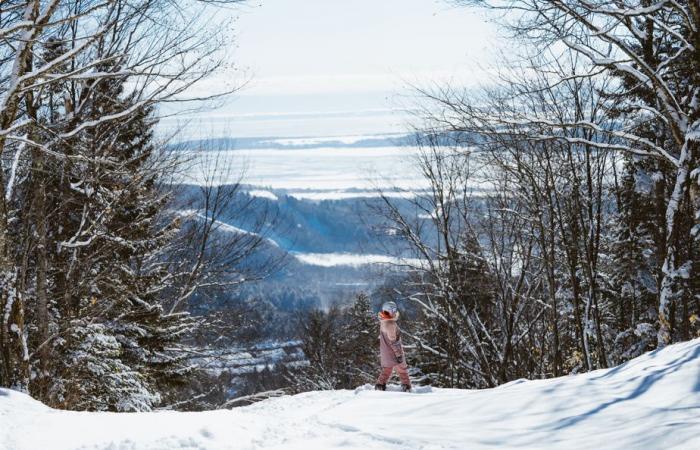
x=321 y=173
x=331 y=169
x=319 y=195
x=263 y=194
x=351 y=259
x=353 y=139
x=223 y=226
x=652 y=402
x=13 y=172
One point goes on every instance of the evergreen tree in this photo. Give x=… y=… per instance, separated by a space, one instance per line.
x=637 y=257
x=321 y=336
x=106 y=273
x=360 y=343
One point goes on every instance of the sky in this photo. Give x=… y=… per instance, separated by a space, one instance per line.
x=343 y=67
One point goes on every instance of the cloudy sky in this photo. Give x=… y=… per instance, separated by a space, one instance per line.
x=338 y=67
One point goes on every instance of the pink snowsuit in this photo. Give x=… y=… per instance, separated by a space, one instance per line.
x=390 y=349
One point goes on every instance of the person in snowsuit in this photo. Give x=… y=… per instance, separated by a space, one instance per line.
x=391 y=348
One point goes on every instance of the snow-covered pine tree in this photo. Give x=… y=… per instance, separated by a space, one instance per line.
x=54 y=56
x=321 y=336
x=637 y=255
x=341 y=346
x=92 y=374
x=660 y=196
x=112 y=235
x=360 y=342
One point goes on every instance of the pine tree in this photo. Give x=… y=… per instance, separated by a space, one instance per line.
x=360 y=344
x=95 y=376
x=320 y=333
x=636 y=269
x=106 y=274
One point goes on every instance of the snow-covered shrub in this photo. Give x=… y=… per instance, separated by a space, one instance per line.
x=94 y=377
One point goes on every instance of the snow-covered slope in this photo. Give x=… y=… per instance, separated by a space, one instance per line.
x=651 y=402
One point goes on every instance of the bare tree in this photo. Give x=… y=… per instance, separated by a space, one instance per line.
x=472 y=285
x=651 y=49
x=211 y=254
x=535 y=232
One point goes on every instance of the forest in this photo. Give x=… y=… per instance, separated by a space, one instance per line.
x=559 y=234
x=564 y=200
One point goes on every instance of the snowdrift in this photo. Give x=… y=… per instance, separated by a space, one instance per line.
x=651 y=402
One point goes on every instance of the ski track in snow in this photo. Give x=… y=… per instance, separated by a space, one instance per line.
x=652 y=402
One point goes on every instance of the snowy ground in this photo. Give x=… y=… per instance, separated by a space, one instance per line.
x=652 y=402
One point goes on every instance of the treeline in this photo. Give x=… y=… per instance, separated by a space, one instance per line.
x=564 y=208
x=98 y=256
x=341 y=346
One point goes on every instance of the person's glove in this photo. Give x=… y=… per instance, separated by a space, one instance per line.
x=399 y=359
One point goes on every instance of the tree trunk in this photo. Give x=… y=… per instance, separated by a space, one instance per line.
x=670 y=265
x=13 y=343
x=40 y=217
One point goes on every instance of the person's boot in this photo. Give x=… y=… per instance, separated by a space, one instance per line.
x=380 y=387
x=406 y=387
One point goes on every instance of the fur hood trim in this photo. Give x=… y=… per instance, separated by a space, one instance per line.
x=392 y=319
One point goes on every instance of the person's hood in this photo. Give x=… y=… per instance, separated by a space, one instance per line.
x=383 y=317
